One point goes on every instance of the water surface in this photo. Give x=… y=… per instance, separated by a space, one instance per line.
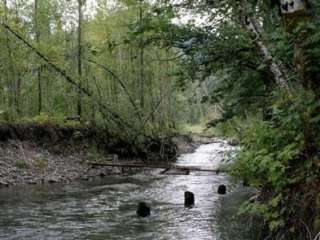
x=106 y=209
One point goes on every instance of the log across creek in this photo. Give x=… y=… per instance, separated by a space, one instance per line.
x=166 y=167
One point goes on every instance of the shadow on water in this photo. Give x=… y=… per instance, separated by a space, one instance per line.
x=106 y=209
x=230 y=224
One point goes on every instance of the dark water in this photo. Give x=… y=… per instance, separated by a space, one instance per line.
x=106 y=209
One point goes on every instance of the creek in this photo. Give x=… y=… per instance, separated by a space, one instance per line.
x=106 y=208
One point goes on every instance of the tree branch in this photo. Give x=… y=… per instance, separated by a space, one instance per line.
x=123 y=86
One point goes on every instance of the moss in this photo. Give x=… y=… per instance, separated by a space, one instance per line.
x=21 y=164
x=40 y=163
x=52 y=119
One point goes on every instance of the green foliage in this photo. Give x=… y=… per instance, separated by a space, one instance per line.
x=45 y=118
x=21 y=164
x=282 y=48
x=279 y=131
x=307 y=34
x=234 y=127
x=224 y=60
x=277 y=155
x=93 y=155
x=40 y=163
x=129 y=52
x=55 y=119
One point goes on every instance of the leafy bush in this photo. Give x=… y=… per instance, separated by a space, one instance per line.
x=281 y=157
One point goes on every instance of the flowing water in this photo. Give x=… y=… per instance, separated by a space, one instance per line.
x=106 y=209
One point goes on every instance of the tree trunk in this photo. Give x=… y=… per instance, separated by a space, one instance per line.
x=18 y=94
x=275 y=67
x=11 y=69
x=39 y=70
x=141 y=74
x=79 y=102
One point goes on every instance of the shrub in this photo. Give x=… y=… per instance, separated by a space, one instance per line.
x=281 y=157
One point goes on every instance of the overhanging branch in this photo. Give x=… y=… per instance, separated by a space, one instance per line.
x=123 y=86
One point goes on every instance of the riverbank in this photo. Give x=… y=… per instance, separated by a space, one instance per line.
x=48 y=153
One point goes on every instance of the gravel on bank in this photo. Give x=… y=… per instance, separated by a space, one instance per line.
x=24 y=162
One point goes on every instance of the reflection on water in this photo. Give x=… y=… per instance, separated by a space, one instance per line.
x=105 y=209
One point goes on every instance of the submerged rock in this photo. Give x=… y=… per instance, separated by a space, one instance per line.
x=52 y=180
x=84 y=178
x=4 y=184
x=233 y=142
x=188 y=199
x=143 y=210
x=32 y=182
x=102 y=175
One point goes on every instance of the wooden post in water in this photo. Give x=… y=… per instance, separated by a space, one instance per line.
x=188 y=199
x=222 y=189
x=143 y=210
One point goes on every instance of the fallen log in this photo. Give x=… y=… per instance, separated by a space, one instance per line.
x=173 y=171
x=135 y=165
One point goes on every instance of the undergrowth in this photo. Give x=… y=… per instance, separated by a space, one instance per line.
x=280 y=156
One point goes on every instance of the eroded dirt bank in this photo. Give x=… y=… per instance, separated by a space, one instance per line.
x=46 y=153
